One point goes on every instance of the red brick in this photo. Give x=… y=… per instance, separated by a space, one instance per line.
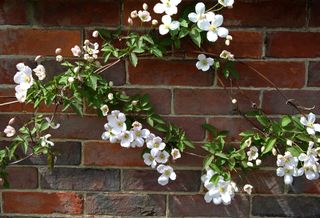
x=160 y=72
x=274 y=103
x=210 y=101
x=108 y=154
x=23 y=177
x=77 y=12
x=13 y=12
x=194 y=205
x=147 y=180
x=315 y=14
x=188 y=159
x=314 y=74
x=293 y=44
x=43 y=203
x=191 y=125
x=234 y=125
x=37 y=41
x=160 y=99
x=276 y=72
x=269 y=13
x=303 y=185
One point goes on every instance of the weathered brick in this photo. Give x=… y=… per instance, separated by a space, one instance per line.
x=285 y=206
x=257 y=13
x=116 y=74
x=314 y=74
x=293 y=44
x=234 y=125
x=13 y=12
x=23 y=177
x=191 y=125
x=22 y=41
x=111 y=154
x=315 y=14
x=159 y=98
x=42 y=203
x=126 y=204
x=210 y=101
x=303 y=185
x=69 y=154
x=274 y=103
x=194 y=205
x=160 y=72
x=80 y=179
x=77 y=12
x=146 y=180
x=188 y=159
x=276 y=72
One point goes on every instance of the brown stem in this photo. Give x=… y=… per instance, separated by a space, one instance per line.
x=18 y=161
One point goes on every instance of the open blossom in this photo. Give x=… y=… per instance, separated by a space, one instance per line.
x=139 y=134
x=201 y=17
x=311 y=166
x=287 y=167
x=204 y=63
x=125 y=138
x=168 y=25
x=40 y=72
x=59 y=58
x=104 y=109
x=312 y=127
x=91 y=50
x=144 y=16
x=108 y=135
x=24 y=80
x=167 y=174
x=167 y=6
x=253 y=153
x=214 y=29
x=45 y=142
x=149 y=160
x=117 y=120
x=9 y=131
x=76 y=51
x=227 y=55
x=226 y=3
x=21 y=92
x=175 y=153
x=156 y=145
x=162 y=157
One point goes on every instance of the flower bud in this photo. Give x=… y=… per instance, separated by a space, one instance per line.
x=76 y=69
x=105 y=109
x=145 y=6
x=289 y=142
x=58 y=51
x=95 y=34
x=110 y=96
x=59 y=58
x=86 y=42
x=11 y=121
x=154 y=22
x=248 y=188
x=258 y=162
x=71 y=79
x=134 y=103
x=110 y=83
x=263 y=148
x=274 y=151
x=130 y=21
x=38 y=59
x=234 y=101
x=229 y=37
x=227 y=42
x=250 y=164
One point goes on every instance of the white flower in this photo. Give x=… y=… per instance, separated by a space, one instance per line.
x=104 y=109
x=76 y=51
x=9 y=131
x=253 y=153
x=162 y=157
x=201 y=17
x=310 y=162
x=258 y=162
x=227 y=55
x=125 y=138
x=168 y=25
x=312 y=127
x=223 y=192
x=156 y=145
x=52 y=124
x=167 y=6
x=71 y=79
x=130 y=21
x=288 y=167
x=144 y=16
x=215 y=29
x=24 y=75
x=21 y=92
x=154 y=22
x=167 y=173
x=149 y=160
x=134 y=14
x=110 y=96
x=58 y=51
x=139 y=134
x=175 y=153
x=91 y=50
x=108 y=135
x=117 y=121
x=250 y=164
x=59 y=58
x=145 y=6
x=45 y=142
x=95 y=34
x=248 y=188
x=204 y=63
x=40 y=72
x=226 y=3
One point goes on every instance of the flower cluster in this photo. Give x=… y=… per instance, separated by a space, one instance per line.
x=221 y=191
x=116 y=131
x=24 y=80
x=89 y=50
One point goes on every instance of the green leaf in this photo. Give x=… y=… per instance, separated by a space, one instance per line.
x=295 y=150
x=263 y=120
x=92 y=82
x=133 y=59
x=196 y=36
x=188 y=143
x=211 y=129
x=285 y=121
x=222 y=155
x=183 y=32
x=269 y=145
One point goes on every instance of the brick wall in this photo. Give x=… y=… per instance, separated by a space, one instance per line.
x=279 y=38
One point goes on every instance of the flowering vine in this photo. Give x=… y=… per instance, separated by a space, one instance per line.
x=131 y=120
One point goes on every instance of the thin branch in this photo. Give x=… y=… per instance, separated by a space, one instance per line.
x=18 y=161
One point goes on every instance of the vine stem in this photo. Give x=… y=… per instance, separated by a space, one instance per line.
x=18 y=161
x=107 y=66
x=193 y=154
x=10 y=102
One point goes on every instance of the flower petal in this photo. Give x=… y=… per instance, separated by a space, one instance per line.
x=193 y=17
x=218 y=20
x=163 y=180
x=212 y=36
x=223 y=32
x=159 y=8
x=311 y=117
x=200 y=8
x=163 y=30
